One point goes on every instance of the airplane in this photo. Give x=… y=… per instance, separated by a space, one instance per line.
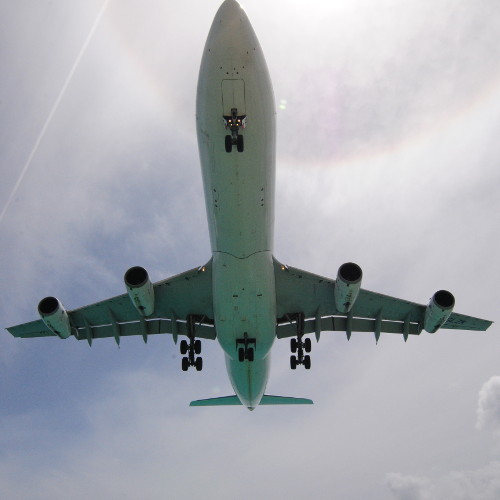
x=243 y=297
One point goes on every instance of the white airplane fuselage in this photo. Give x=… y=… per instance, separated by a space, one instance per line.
x=239 y=194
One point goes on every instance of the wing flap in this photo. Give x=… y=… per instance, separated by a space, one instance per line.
x=150 y=327
x=344 y=324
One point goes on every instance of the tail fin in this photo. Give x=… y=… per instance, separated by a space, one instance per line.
x=266 y=400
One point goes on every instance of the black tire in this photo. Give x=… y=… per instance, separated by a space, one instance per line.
x=185 y=364
x=307 y=345
x=307 y=362
x=241 y=354
x=199 y=364
x=229 y=143
x=250 y=354
x=239 y=143
x=184 y=347
x=293 y=345
x=293 y=362
x=197 y=346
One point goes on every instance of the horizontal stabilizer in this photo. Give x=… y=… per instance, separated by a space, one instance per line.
x=284 y=400
x=224 y=401
x=266 y=400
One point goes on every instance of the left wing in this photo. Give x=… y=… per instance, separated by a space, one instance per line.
x=176 y=298
x=299 y=291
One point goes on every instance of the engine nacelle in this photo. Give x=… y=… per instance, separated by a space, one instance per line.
x=55 y=317
x=140 y=290
x=347 y=286
x=438 y=310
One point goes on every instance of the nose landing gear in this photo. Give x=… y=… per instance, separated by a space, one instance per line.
x=233 y=122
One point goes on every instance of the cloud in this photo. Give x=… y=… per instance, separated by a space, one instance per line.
x=488 y=410
x=480 y=484
x=406 y=487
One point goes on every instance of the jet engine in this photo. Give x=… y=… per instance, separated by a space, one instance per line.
x=140 y=290
x=438 y=310
x=347 y=286
x=55 y=317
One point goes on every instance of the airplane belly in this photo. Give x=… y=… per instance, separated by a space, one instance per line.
x=244 y=302
x=245 y=310
x=239 y=183
x=239 y=186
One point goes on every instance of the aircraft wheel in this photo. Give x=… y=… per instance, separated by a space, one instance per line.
x=250 y=354
x=293 y=345
x=307 y=362
x=229 y=143
x=184 y=347
x=197 y=346
x=185 y=364
x=241 y=354
x=293 y=362
x=199 y=364
x=307 y=345
x=239 y=143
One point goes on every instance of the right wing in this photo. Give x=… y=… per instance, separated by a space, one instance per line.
x=188 y=293
x=299 y=291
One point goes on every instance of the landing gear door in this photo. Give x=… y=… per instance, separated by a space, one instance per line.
x=233 y=96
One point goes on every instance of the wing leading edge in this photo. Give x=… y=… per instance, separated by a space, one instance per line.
x=313 y=295
x=188 y=293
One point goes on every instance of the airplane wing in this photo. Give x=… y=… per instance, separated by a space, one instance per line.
x=188 y=293
x=299 y=291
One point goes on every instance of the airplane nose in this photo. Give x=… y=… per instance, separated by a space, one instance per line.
x=228 y=12
x=231 y=32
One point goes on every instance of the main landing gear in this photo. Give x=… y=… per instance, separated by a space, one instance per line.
x=192 y=348
x=246 y=348
x=233 y=122
x=299 y=346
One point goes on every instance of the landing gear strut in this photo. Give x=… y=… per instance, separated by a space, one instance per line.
x=246 y=348
x=192 y=348
x=233 y=122
x=299 y=346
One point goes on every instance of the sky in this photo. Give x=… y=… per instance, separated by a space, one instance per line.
x=388 y=155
